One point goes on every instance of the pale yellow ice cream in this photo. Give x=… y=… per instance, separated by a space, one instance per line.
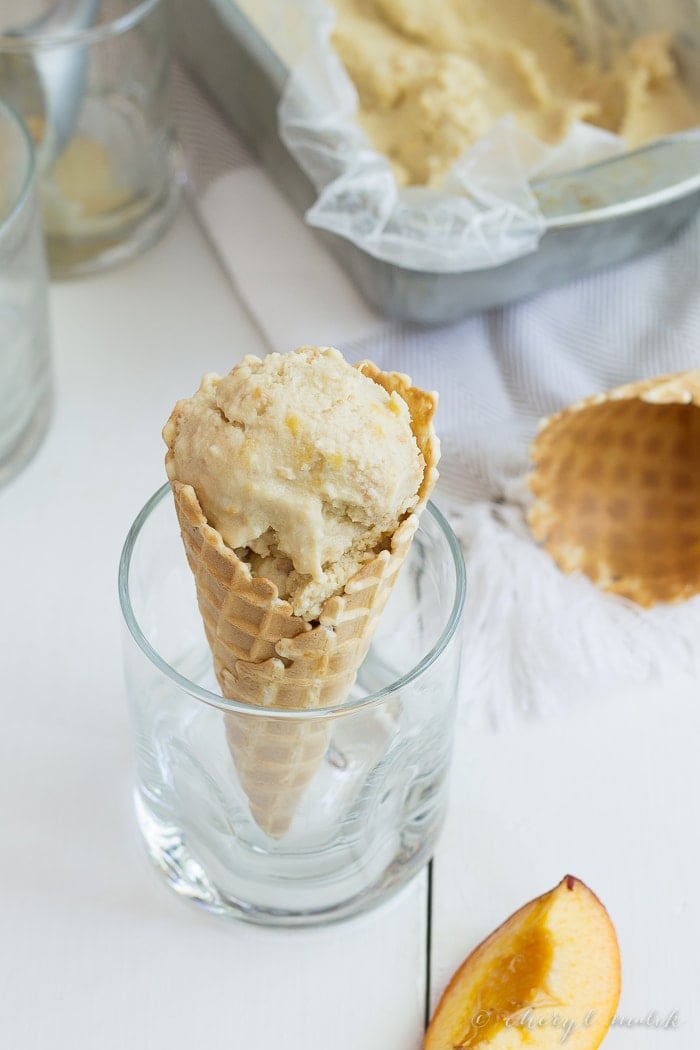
x=304 y=465
x=432 y=77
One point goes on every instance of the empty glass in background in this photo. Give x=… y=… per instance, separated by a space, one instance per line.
x=91 y=80
x=372 y=807
x=25 y=381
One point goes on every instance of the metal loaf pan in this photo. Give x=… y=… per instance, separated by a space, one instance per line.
x=595 y=217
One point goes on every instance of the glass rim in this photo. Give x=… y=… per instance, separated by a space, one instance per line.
x=20 y=199
x=292 y=714
x=24 y=45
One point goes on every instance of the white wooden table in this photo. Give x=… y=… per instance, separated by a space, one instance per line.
x=96 y=953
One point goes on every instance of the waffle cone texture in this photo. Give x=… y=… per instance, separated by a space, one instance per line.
x=267 y=657
x=616 y=487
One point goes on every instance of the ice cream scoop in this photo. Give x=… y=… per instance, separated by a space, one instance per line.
x=301 y=460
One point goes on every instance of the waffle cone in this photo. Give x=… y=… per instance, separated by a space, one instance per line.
x=266 y=656
x=616 y=487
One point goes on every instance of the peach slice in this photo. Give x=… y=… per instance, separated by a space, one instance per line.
x=549 y=976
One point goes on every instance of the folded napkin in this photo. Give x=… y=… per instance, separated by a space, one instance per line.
x=535 y=638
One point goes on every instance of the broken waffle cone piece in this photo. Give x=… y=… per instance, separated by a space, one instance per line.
x=616 y=487
x=266 y=656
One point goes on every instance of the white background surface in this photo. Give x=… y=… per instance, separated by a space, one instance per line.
x=95 y=952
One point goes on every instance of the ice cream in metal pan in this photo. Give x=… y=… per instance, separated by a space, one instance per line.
x=432 y=80
x=598 y=214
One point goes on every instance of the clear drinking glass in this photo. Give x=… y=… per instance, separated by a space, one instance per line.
x=371 y=797
x=90 y=79
x=25 y=379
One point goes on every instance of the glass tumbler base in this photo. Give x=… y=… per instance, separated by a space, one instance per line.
x=172 y=857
